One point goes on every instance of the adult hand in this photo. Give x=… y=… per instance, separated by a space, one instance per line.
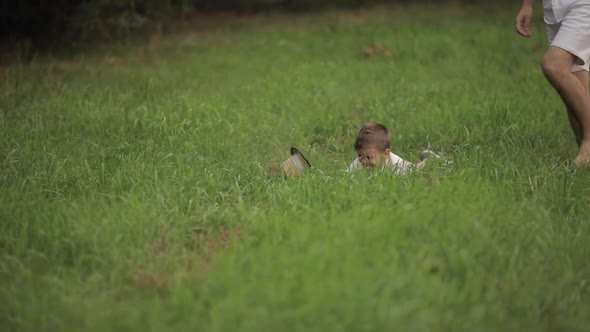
x=523 y=21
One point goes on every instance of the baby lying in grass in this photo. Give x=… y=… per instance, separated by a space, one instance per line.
x=373 y=147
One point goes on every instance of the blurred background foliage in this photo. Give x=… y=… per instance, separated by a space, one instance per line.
x=42 y=24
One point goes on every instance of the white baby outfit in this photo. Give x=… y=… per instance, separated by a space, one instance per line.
x=394 y=162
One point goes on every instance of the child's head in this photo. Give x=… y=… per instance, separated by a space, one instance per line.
x=372 y=144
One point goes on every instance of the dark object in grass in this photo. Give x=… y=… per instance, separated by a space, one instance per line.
x=296 y=164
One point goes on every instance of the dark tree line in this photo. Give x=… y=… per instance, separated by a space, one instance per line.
x=43 y=22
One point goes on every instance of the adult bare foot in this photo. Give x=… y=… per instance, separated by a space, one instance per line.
x=583 y=157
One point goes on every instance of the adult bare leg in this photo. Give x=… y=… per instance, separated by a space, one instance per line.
x=584 y=78
x=557 y=68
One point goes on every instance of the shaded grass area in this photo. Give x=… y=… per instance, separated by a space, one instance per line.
x=139 y=185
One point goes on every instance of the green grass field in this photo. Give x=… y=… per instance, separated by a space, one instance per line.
x=140 y=191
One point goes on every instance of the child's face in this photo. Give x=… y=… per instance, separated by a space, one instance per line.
x=371 y=156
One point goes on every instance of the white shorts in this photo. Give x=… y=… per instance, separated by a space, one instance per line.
x=573 y=34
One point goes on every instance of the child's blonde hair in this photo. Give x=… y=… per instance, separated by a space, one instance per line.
x=373 y=134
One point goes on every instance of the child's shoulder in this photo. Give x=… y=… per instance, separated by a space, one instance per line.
x=395 y=159
x=399 y=164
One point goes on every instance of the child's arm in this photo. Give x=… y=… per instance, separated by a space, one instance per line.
x=523 y=18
